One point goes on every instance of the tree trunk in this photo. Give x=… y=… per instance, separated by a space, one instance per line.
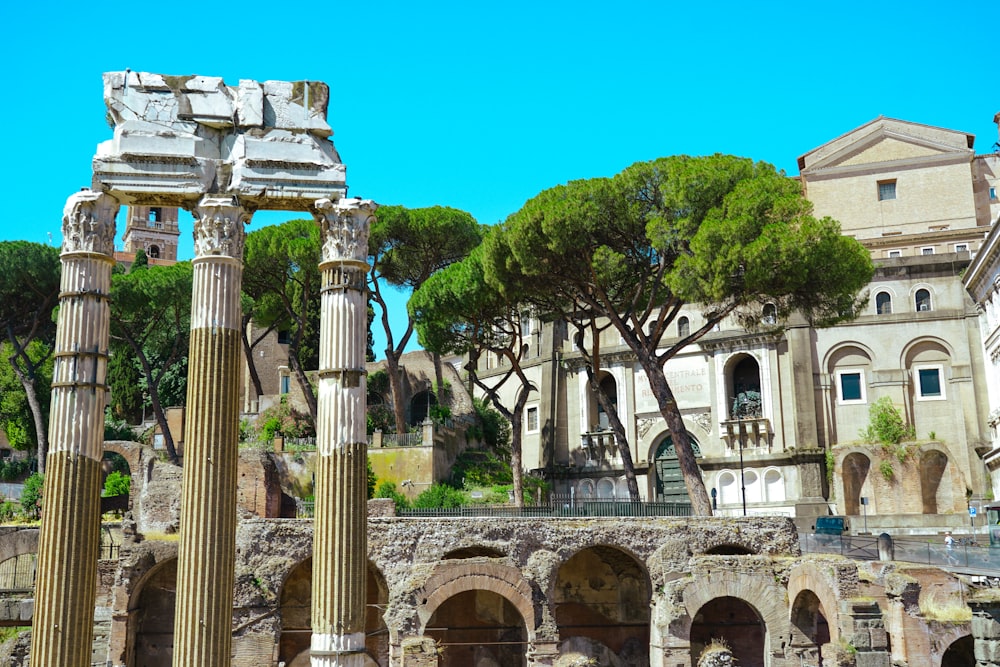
x=27 y=378
x=248 y=353
x=700 y=503
x=443 y=395
x=153 y=386
x=302 y=379
x=398 y=411
x=516 y=465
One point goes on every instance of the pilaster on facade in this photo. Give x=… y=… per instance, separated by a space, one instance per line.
x=70 y=534
x=340 y=546
x=206 y=555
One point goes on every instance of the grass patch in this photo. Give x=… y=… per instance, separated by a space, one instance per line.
x=945 y=611
x=162 y=537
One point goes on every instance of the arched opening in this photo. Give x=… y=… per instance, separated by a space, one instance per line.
x=473 y=552
x=669 y=482
x=810 y=628
x=606 y=489
x=922 y=300
x=883 y=303
x=610 y=389
x=744 y=388
x=729 y=490
x=153 y=617
x=933 y=464
x=683 y=327
x=751 y=482
x=729 y=550
x=961 y=653
x=856 y=467
x=296 y=616
x=17 y=574
x=420 y=406
x=602 y=594
x=296 y=610
x=769 y=314
x=478 y=628
x=153 y=252
x=737 y=624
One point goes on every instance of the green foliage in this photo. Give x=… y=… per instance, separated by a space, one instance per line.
x=115 y=461
x=286 y=420
x=831 y=462
x=372 y=479
x=378 y=384
x=439 y=413
x=14 y=469
x=31 y=495
x=388 y=490
x=493 y=428
x=479 y=468
x=380 y=418
x=116 y=484
x=8 y=510
x=885 y=467
x=117 y=429
x=16 y=417
x=885 y=424
x=440 y=496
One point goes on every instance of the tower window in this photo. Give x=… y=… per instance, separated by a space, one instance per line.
x=155 y=216
x=153 y=252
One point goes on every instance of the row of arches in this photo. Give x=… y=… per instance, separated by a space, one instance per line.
x=937 y=493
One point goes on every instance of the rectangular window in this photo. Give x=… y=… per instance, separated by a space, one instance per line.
x=285 y=337
x=886 y=190
x=531 y=419
x=895 y=253
x=961 y=247
x=993 y=193
x=929 y=384
x=286 y=384
x=927 y=251
x=851 y=386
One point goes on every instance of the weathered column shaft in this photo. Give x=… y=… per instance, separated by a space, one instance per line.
x=207 y=551
x=340 y=543
x=66 y=590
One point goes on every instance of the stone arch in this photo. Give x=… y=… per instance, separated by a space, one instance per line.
x=729 y=550
x=420 y=406
x=960 y=652
x=478 y=591
x=151 y=616
x=935 y=487
x=809 y=625
x=823 y=584
x=17 y=542
x=738 y=624
x=295 y=606
x=453 y=577
x=130 y=451
x=760 y=593
x=855 y=471
x=724 y=545
x=602 y=593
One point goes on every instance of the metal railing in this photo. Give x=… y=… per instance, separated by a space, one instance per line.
x=17 y=575
x=966 y=557
x=581 y=508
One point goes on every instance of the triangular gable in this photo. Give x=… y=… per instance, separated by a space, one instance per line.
x=887 y=140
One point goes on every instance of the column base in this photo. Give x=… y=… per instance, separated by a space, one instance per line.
x=330 y=650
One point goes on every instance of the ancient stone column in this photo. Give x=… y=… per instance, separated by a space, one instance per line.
x=63 y=624
x=207 y=550
x=340 y=544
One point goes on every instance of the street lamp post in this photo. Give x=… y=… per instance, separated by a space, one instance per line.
x=739 y=442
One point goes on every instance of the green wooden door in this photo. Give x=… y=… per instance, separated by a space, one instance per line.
x=670 y=485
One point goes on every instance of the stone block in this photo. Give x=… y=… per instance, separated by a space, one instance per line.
x=987 y=651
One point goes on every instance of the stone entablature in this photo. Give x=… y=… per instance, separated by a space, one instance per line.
x=177 y=138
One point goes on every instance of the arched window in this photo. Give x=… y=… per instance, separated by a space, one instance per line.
x=154 y=252
x=586 y=488
x=883 y=303
x=606 y=489
x=683 y=327
x=922 y=300
x=770 y=314
x=752 y=483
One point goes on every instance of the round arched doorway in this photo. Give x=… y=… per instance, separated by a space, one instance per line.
x=669 y=481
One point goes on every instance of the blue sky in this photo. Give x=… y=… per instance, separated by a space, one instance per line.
x=482 y=105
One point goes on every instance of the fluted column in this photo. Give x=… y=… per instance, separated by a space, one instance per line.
x=340 y=544
x=70 y=534
x=207 y=551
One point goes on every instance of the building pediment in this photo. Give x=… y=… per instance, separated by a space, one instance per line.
x=886 y=141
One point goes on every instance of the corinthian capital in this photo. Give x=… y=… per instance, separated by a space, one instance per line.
x=344 y=227
x=218 y=227
x=89 y=223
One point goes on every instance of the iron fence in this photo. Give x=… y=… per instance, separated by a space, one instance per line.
x=863 y=547
x=17 y=575
x=587 y=508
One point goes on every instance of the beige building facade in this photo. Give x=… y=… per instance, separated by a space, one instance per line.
x=920 y=199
